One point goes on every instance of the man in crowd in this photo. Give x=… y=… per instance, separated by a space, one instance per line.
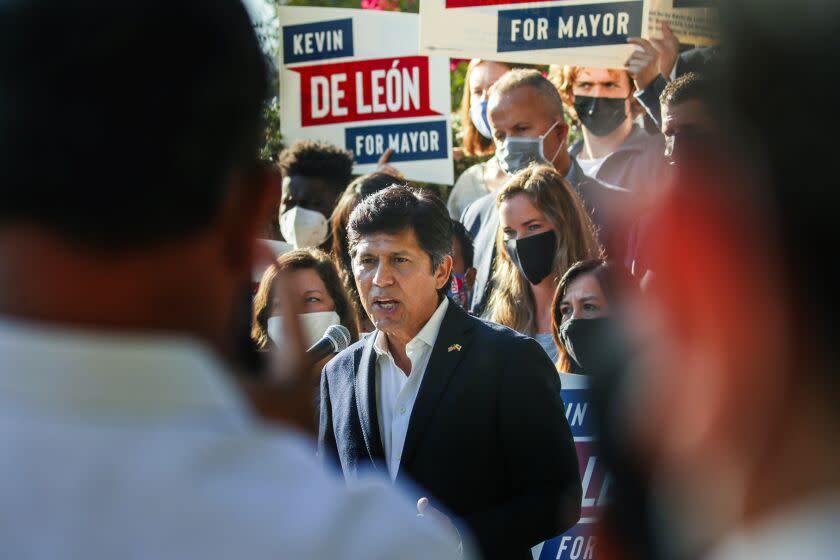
x=687 y=121
x=314 y=176
x=469 y=411
x=121 y=282
x=658 y=61
x=614 y=149
x=526 y=118
x=734 y=413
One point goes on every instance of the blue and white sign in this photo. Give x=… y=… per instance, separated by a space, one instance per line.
x=580 y=542
x=355 y=78
x=577 y=32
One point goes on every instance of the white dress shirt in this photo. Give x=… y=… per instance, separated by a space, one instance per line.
x=141 y=447
x=396 y=391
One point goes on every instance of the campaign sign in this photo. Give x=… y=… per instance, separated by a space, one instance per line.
x=694 y=22
x=577 y=32
x=580 y=542
x=354 y=78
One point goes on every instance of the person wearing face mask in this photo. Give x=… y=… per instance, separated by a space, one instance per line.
x=614 y=148
x=581 y=309
x=314 y=176
x=544 y=230
x=487 y=176
x=313 y=279
x=526 y=116
x=463 y=271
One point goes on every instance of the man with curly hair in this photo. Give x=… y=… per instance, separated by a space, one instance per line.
x=314 y=176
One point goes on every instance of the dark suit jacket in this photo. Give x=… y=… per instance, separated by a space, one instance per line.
x=487 y=438
x=605 y=203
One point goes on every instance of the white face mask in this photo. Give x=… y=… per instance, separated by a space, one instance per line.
x=304 y=228
x=517 y=152
x=312 y=325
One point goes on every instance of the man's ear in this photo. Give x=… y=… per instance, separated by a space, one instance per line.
x=443 y=272
x=248 y=207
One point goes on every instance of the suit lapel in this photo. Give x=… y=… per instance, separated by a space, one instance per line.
x=365 y=386
x=454 y=330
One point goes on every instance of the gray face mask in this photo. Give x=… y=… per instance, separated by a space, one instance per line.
x=517 y=152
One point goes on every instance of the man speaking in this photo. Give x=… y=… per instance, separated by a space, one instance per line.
x=468 y=410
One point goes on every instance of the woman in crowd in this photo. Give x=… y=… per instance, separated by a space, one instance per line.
x=487 y=176
x=359 y=189
x=313 y=279
x=586 y=295
x=544 y=229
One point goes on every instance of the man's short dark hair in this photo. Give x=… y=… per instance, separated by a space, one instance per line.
x=465 y=239
x=398 y=208
x=687 y=87
x=122 y=126
x=318 y=159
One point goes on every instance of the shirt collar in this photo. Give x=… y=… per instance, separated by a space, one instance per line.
x=428 y=334
x=56 y=370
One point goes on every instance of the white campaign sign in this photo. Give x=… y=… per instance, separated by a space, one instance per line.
x=577 y=32
x=354 y=78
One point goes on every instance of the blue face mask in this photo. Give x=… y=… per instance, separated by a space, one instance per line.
x=478 y=116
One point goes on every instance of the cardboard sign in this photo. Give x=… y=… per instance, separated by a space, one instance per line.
x=354 y=78
x=578 y=32
x=694 y=22
x=580 y=542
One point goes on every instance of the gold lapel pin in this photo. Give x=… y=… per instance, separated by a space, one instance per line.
x=454 y=348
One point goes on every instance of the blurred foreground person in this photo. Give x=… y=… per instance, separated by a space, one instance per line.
x=470 y=411
x=122 y=428
x=733 y=414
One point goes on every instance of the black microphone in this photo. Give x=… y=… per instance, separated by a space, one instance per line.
x=335 y=339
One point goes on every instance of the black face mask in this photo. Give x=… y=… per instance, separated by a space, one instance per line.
x=533 y=255
x=600 y=115
x=585 y=341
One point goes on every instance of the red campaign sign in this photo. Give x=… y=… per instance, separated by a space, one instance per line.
x=479 y=3
x=364 y=90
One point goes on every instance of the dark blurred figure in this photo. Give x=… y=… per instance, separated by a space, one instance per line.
x=687 y=120
x=732 y=413
x=314 y=176
x=125 y=264
x=358 y=190
x=463 y=271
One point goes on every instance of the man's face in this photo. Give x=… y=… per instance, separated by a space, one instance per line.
x=522 y=112
x=685 y=120
x=602 y=82
x=312 y=193
x=396 y=282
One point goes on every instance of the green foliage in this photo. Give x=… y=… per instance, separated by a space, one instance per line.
x=273 y=144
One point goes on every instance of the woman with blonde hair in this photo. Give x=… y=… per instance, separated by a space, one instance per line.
x=544 y=229
x=486 y=176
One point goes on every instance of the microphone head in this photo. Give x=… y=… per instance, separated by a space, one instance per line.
x=339 y=337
